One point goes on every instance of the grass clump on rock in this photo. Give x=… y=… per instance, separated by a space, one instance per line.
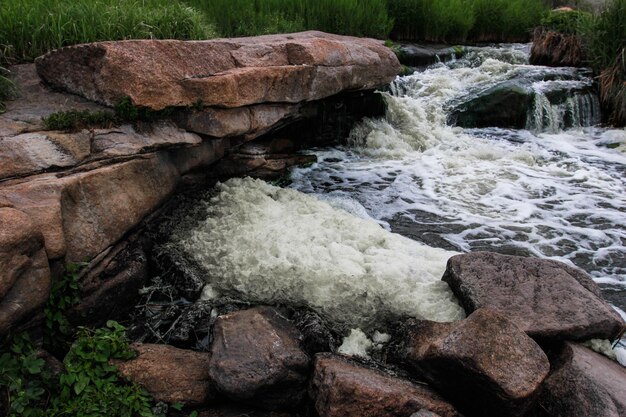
x=76 y=120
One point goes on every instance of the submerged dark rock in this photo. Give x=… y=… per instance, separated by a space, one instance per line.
x=545 y=298
x=485 y=364
x=504 y=105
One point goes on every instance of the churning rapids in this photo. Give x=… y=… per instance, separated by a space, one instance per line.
x=327 y=242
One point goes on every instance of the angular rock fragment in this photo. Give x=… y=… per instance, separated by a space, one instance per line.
x=584 y=384
x=257 y=358
x=341 y=388
x=485 y=363
x=224 y=73
x=24 y=270
x=546 y=298
x=170 y=374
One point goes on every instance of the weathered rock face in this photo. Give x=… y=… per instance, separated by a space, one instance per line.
x=170 y=374
x=257 y=358
x=485 y=363
x=584 y=384
x=225 y=73
x=247 y=122
x=545 y=298
x=24 y=272
x=341 y=388
x=111 y=289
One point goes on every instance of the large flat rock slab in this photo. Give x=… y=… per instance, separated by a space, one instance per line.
x=547 y=299
x=237 y=72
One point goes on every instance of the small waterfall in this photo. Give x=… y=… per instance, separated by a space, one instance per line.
x=577 y=109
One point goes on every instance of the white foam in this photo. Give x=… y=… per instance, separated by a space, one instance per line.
x=356 y=344
x=268 y=245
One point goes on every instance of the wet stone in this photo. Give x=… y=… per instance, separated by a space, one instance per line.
x=257 y=358
x=485 y=363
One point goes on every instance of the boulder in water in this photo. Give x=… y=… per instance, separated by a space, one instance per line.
x=545 y=298
x=342 y=388
x=256 y=358
x=488 y=365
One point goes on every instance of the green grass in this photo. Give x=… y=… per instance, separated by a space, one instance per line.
x=254 y=17
x=29 y=28
x=506 y=20
x=465 y=20
x=8 y=90
x=604 y=39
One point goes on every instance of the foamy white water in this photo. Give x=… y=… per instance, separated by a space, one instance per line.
x=544 y=192
x=265 y=244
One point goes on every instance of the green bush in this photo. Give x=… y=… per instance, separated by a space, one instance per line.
x=566 y=21
x=89 y=386
x=29 y=28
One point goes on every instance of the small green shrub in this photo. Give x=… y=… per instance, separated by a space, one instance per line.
x=89 y=386
x=566 y=21
x=64 y=294
x=76 y=120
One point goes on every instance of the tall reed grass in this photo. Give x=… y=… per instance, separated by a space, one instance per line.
x=604 y=39
x=431 y=20
x=463 y=20
x=254 y=17
x=29 y=28
x=506 y=20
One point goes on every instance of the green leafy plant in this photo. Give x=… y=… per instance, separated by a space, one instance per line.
x=64 y=294
x=90 y=385
x=23 y=376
